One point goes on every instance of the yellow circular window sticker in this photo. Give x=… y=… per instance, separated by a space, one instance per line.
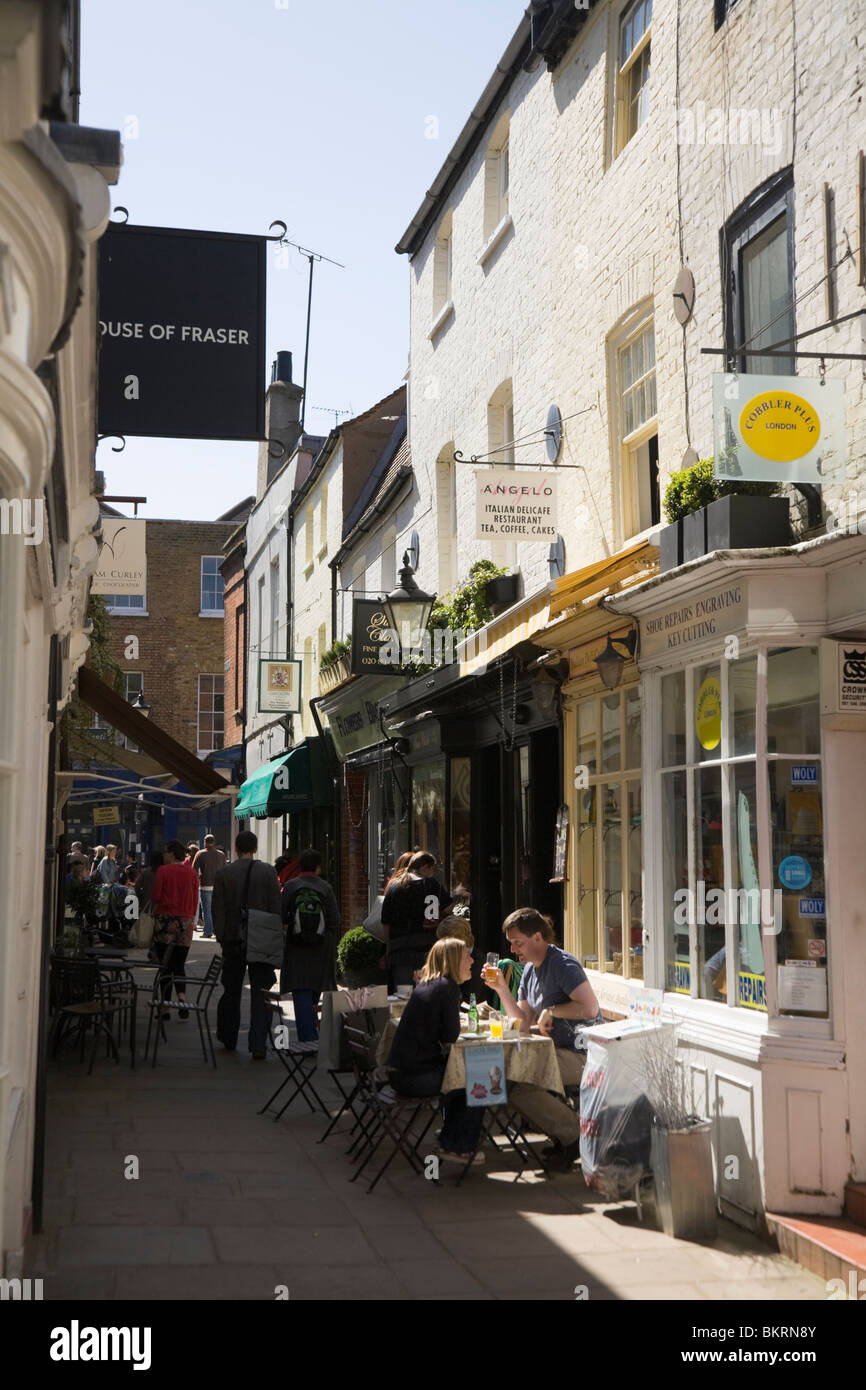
x=780 y=426
x=708 y=713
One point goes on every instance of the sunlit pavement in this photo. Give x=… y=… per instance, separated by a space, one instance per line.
x=228 y=1204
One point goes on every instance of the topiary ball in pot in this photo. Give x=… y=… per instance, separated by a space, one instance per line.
x=358 y=956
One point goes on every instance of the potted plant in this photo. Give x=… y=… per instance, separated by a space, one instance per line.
x=335 y=664
x=501 y=592
x=681 y=1153
x=358 y=956
x=82 y=896
x=707 y=513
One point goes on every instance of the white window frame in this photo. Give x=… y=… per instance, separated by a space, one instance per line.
x=201 y=749
x=631 y=451
x=622 y=132
x=443 y=270
x=210 y=612
x=136 y=609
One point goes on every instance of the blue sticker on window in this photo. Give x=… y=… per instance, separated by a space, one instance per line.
x=795 y=872
x=804 y=773
x=811 y=907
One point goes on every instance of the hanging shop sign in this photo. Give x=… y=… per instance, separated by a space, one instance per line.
x=182 y=333
x=712 y=616
x=122 y=564
x=519 y=506
x=371 y=638
x=106 y=815
x=778 y=428
x=708 y=713
x=279 y=686
x=353 y=718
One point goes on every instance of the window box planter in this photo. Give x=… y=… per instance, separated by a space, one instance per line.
x=745 y=523
x=671 y=546
x=334 y=674
x=502 y=592
x=682 y=1164
x=695 y=535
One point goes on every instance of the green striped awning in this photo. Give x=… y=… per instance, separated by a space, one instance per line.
x=296 y=781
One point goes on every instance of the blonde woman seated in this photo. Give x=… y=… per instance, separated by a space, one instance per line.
x=430 y=1022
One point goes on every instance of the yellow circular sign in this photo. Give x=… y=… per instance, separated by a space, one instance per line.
x=780 y=426
x=708 y=713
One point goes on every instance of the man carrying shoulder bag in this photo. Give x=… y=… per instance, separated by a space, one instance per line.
x=245 y=896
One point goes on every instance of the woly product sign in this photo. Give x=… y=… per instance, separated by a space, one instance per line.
x=520 y=506
x=182 y=333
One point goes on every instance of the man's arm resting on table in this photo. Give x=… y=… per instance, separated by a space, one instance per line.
x=582 y=1003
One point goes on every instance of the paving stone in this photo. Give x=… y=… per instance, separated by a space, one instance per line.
x=195 y=1283
x=133 y=1208
x=84 y=1285
x=423 y=1278
x=801 y=1287
x=328 y=1245
x=406 y=1243
x=233 y=1162
x=89 y=1246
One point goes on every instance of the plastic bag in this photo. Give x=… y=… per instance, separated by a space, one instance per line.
x=615 y=1118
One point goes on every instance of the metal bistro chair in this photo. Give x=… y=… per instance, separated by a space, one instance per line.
x=82 y=1002
x=387 y=1115
x=198 y=1007
x=370 y=1019
x=299 y=1059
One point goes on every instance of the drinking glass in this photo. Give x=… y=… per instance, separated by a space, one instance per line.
x=496 y=1025
x=491 y=964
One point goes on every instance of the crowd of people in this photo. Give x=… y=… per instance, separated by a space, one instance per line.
x=427 y=944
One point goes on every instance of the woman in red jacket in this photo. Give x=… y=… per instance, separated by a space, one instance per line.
x=175 y=908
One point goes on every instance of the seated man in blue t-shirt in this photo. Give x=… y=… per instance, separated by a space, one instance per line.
x=554 y=993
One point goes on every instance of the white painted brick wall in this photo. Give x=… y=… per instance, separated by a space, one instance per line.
x=541 y=310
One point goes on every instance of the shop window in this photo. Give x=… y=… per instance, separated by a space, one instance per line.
x=758 y=276
x=633 y=72
x=609 y=819
x=460 y=884
x=714 y=901
x=428 y=812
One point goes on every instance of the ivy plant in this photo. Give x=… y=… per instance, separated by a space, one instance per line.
x=465 y=610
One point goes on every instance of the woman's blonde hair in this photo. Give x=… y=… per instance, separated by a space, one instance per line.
x=444 y=961
x=459 y=927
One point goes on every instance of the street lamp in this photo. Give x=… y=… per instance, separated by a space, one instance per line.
x=141 y=705
x=610 y=662
x=408 y=607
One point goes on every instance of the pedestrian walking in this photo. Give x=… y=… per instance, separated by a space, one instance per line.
x=312 y=920
x=175 y=899
x=98 y=856
x=245 y=883
x=414 y=904
x=207 y=864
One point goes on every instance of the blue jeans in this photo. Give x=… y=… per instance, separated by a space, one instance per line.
x=207 y=910
x=305 y=1001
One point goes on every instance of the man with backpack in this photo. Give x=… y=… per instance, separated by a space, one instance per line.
x=312 y=920
x=245 y=886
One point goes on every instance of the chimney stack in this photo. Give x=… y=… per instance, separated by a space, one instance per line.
x=282 y=422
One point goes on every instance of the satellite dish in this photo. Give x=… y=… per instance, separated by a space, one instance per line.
x=553 y=433
x=556 y=558
x=684 y=295
x=414 y=549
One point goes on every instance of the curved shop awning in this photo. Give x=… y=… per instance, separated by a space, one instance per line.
x=297 y=781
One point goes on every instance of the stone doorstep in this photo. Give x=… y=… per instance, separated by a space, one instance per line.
x=827 y=1246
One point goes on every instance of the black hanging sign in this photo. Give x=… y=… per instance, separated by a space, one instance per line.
x=370 y=639
x=182 y=333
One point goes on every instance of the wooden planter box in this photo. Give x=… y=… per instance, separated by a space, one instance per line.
x=332 y=676
x=502 y=592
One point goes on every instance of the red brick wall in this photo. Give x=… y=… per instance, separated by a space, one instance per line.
x=175 y=644
x=353 y=846
x=235 y=643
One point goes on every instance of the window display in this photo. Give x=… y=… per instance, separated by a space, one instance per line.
x=428 y=811
x=609 y=868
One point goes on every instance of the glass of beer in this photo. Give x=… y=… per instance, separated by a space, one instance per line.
x=491 y=965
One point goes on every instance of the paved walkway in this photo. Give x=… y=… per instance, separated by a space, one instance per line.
x=229 y=1205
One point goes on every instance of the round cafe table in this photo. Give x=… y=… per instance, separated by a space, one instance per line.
x=530 y=1059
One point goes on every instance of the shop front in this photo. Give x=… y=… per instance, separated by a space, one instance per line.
x=740 y=781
